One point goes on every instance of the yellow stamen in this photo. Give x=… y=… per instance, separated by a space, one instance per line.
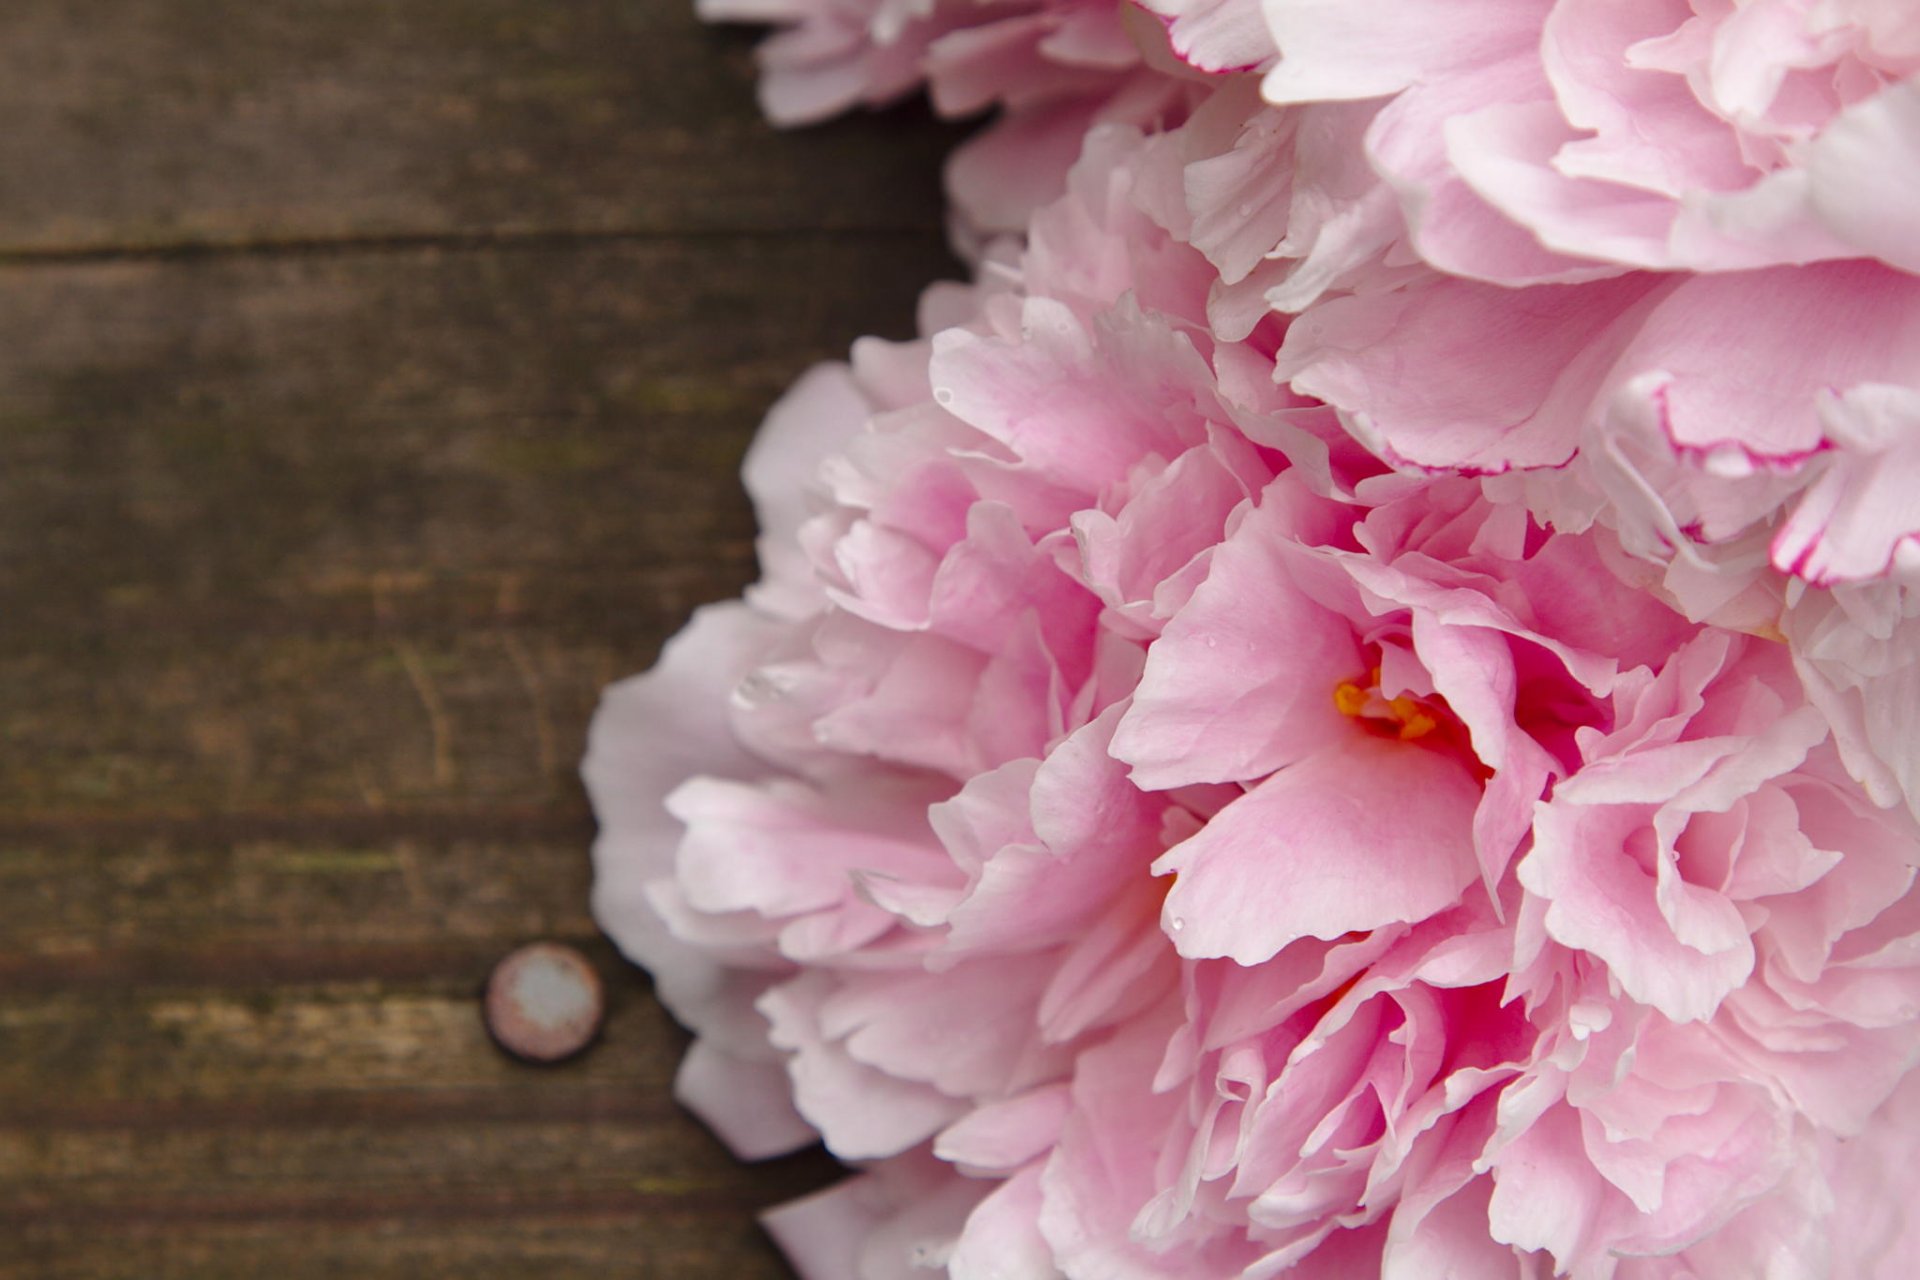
x=1417 y=725
x=1412 y=717
x=1350 y=698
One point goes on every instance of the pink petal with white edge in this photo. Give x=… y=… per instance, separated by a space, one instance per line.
x=746 y=1103
x=1438 y=1231
x=1093 y=833
x=649 y=735
x=1450 y=1242
x=1002 y=1239
x=1168 y=520
x=780 y=848
x=1415 y=142
x=969 y=1031
x=1119 y=966
x=862 y=1113
x=1002 y=1136
x=1237 y=193
x=1460 y=375
x=817 y=417
x=1078 y=403
x=1860 y=516
x=1546 y=1194
x=990 y=812
x=897 y=1221
x=1333 y=50
x=1103 y=1169
x=1866 y=175
x=1505 y=154
x=1216 y=35
x=1241 y=681
x=1366 y=834
x=1604 y=904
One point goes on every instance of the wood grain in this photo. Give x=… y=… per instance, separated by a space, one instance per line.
x=144 y=124
x=373 y=382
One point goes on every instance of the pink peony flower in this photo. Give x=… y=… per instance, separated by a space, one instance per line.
x=1747 y=430
x=1474 y=275
x=1554 y=140
x=1155 y=839
x=1688 y=422
x=1748 y=434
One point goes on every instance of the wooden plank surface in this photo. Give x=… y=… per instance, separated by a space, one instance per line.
x=373 y=377
x=153 y=123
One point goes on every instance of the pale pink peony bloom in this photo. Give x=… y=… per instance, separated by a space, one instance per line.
x=1552 y=140
x=1159 y=842
x=1754 y=916
x=1691 y=411
x=1750 y=434
x=1749 y=430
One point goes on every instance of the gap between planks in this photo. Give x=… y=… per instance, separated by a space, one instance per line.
x=471 y=241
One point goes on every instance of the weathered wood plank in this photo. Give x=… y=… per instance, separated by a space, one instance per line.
x=252 y=1041
x=372 y=1168
x=617 y=1241
x=185 y=1121
x=162 y=911
x=372 y=530
x=319 y=566
x=146 y=123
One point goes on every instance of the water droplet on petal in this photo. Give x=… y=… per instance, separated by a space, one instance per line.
x=1178 y=924
x=943 y=394
x=757 y=689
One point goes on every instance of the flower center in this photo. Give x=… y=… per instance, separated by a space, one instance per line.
x=1405 y=717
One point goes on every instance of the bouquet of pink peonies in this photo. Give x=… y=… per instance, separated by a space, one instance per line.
x=1346 y=710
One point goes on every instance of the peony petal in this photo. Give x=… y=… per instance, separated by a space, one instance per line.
x=1605 y=904
x=748 y=1104
x=1864 y=510
x=1865 y=170
x=819 y=415
x=1002 y=1239
x=1002 y=1136
x=863 y=1113
x=1545 y=1195
x=1453 y=374
x=1316 y=852
x=1241 y=682
x=1218 y=36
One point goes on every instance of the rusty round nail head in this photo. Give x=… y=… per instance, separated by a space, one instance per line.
x=544 y=1003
